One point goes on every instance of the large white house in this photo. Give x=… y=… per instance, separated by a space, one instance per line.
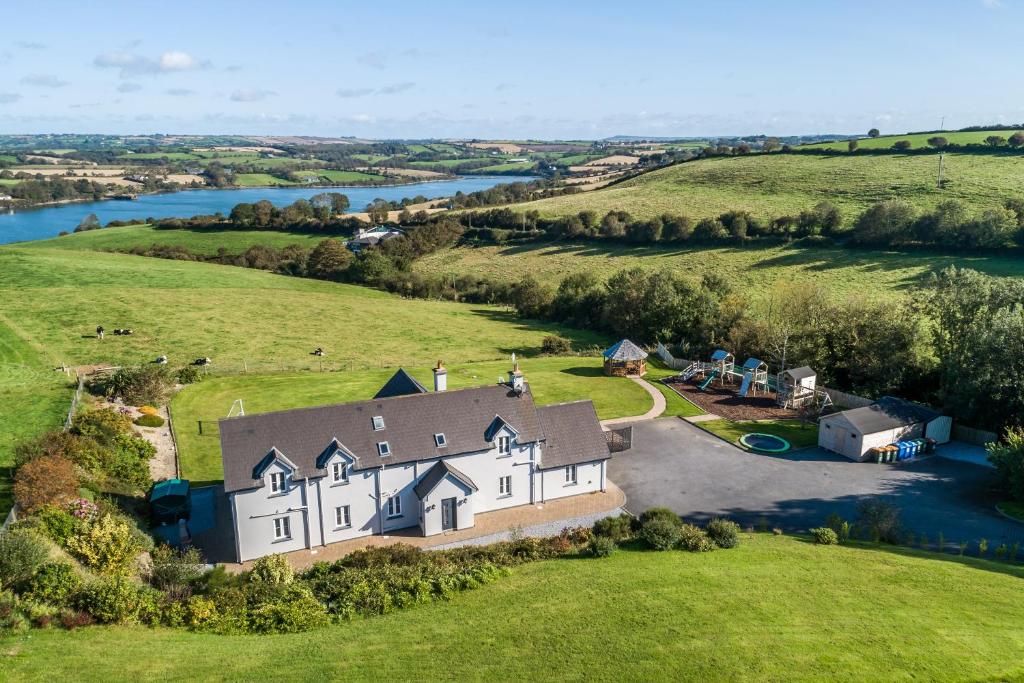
x=408 y=457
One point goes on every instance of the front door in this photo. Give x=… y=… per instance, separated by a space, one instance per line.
x=447 y=514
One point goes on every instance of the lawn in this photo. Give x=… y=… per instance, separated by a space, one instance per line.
x=798 y=433
x=524 y=166
x=345 y=176
x=775 y=608
x=772 y=185
x=260 y=180
x=916 y=140
x=126 y=237
x=751 y=270
x=9 y=182
x=552 y=380
x=675 y=405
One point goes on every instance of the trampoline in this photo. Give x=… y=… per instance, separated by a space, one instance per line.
x=764 y=443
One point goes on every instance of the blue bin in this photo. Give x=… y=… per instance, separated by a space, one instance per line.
x=904 y=450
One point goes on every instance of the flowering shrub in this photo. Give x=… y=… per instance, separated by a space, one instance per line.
x=107 y=545
x=82 y=508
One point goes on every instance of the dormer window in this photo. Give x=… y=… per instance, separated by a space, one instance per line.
x=378 y=423
x=504 y=445
x=340 y=473
x=383 y=449
x=278 y=481
x=440 y=441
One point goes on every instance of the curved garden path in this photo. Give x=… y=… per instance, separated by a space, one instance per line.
x=655 y=411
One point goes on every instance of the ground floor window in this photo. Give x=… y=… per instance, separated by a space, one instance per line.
x=394 y=506
x=282 y=528
x=505 y=486
x=342 y=516
x=570 y=475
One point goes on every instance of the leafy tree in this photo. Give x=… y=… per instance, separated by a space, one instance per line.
x=1008 y=457
x=901 y=145
x=90 y=222
x=45 y=481
x=942 y=225
x=329 y=260
x=873 y=133
x=938 y=142
x=995 y=141
x=531 y=298
x=1016 y=140
x=770 y=144
x=851 y=145
x=887 y=222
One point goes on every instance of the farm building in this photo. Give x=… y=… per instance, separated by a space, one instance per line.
x=625 y=358
x=854 y=432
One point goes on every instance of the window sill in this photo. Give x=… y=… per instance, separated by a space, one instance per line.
x=277 y=494
x=504 y=495
x=282 y=540
x=394 y=516
x=504 y=455
x=339 y=483
x=343 y=528
x=571 y=483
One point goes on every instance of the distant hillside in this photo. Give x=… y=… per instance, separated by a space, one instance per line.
x=918 y=140
x=778 y=184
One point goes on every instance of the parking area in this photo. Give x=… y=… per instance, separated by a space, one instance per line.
x=677 y=465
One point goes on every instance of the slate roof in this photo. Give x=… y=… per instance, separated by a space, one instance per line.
x=435 y=474
x=800 y=373
x=400 y=384
x=573 y=435
x=410 y=422
x=888 y=413
x=625 y=350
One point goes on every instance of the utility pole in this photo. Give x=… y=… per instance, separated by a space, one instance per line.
x=938 y=183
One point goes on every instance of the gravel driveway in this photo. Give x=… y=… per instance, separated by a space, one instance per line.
x=677 y=465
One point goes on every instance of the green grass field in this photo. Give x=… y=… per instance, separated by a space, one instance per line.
x=552 y=380
x=449 y=163
x=371 y=158
x=798 y=433
x=523 y=166
x=345 y=176
x=751 y=270
x=772 y=185
x=170 y=156
x=126 y=237
x=774 y=608
x=9 y=182
x=917 y=140
x=260 y=180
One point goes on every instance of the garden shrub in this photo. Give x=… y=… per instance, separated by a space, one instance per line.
x=136 y=386
x=55 y=583
x=72 y=619
x=149 y=410
x=287 y=608
x=1008 y=457
x=189 y=374
x=107 y=545
x=617 y=528
x=601 y=546
x=149 y=421
x=724 y=533
x=45 y=481
x=58 y=524
x=555 y=345
x=660 y=513
x=824 y=536
x=174 y=570
x=102 y=424
x=880 y=520
x=840 y=526
x=694 y=539
x=660 y=533
x=22 y=552
x=272 y=569
x=111 y=600
x=11 y=618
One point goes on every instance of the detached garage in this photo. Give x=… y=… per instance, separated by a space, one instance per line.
x=854 y=432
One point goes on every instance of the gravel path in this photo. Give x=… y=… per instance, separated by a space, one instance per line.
x=538 y=531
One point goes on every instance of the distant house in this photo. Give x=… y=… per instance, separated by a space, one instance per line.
x=370 y=237
x=407 y=458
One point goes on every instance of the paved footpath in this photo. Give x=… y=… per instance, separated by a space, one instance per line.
x=658 y=409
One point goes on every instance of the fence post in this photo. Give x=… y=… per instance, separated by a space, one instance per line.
x=200 y=427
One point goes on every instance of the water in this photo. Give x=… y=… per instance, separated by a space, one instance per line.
x=34 y=224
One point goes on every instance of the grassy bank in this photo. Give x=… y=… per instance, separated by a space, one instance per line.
x=552 y=380
x=775 y=608
x=798 y=433
x=129 y=237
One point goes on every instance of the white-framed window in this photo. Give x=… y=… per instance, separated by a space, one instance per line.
x=440 y=441
x=505 y=486
x=395 y=506
x=378 y=423
x=339 y=472
x=383 y=449
x=504 y=445
x=342 y=517
x=282 y=528
x=278 y=482
x=570 y=475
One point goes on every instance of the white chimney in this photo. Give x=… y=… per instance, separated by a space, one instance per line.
x=515 y=378
x=440 y=377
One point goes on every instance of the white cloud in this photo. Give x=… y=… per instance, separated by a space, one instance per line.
x=9 y=97
x=354 y=92
x=396 y=88
x=131 y=64
x=179 y=92
x=251 y=95
x=129 y=87
x=44 y=81
x=30 y=45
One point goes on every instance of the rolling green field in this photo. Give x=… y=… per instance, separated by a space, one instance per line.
x=751 y=270
x=772 y=185
x=126 y=237
x=449 y=163
x=552 y=380
x=523 y=166
x=976 y=137
x=346 y=176
x=774 y=608
x=9 y=182
x=260 y=180
x=171 y=156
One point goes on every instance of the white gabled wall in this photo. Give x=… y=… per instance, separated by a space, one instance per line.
x=360 y=494
x=431 y=506
x=589 y=478
x=256 y=510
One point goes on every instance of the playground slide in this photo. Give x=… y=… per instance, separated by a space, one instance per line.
x=745 y=386
x=711 y=378
x=690 y=373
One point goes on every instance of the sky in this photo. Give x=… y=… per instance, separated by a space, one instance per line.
x=558 y=69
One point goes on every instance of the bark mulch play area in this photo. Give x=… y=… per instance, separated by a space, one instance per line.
x=724 y=401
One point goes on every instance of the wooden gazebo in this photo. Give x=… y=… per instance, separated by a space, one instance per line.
x=625 y=358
